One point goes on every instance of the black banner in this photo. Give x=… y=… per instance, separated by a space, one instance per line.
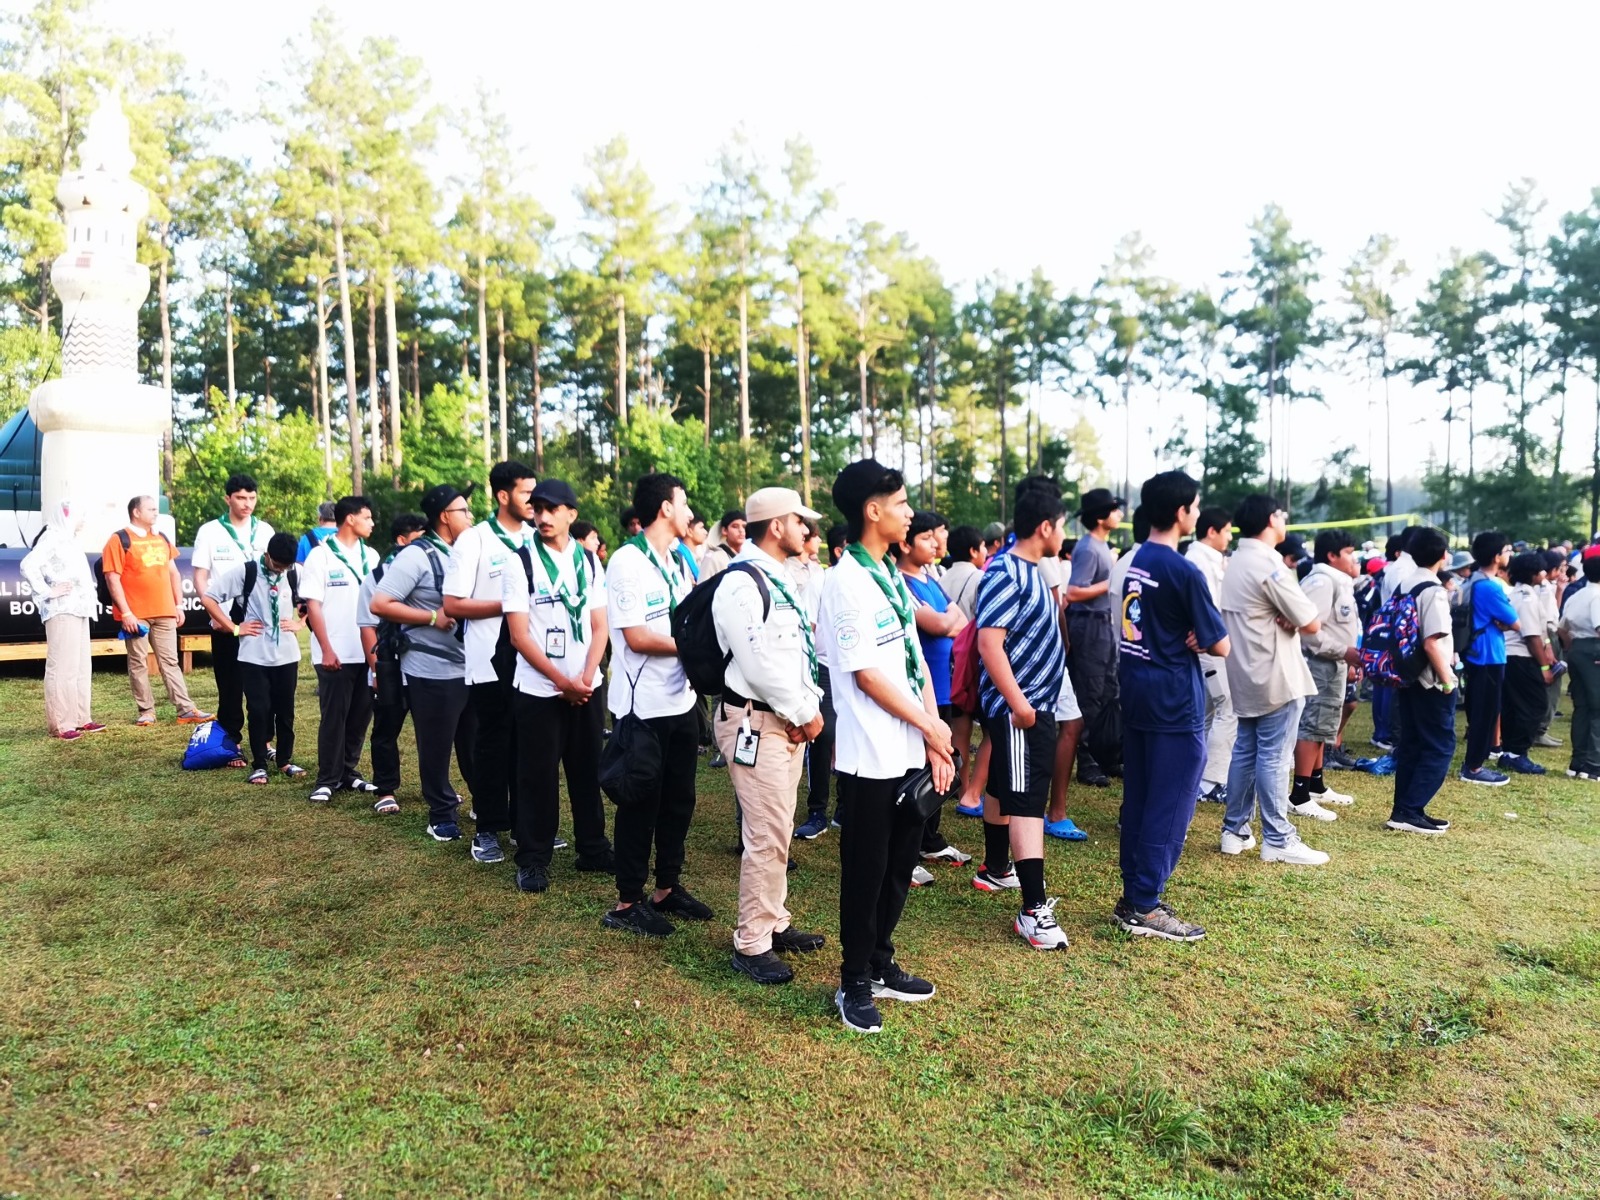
x=19 y=619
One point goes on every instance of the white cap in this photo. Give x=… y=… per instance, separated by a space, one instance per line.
x=776 y=502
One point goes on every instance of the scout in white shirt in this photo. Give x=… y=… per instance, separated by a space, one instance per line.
x=229 y=541
x=557 y=627
x=474 y=584
x=1208 y=551
x=888 y=727
x=645 y=582
x=330 y=583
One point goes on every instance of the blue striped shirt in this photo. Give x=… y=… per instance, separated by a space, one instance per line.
x=1012 y=596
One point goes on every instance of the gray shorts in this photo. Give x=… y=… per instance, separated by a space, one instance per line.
x=1320 y=720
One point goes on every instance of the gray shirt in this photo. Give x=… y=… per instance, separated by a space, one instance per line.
x=1092 y=561
x=272 y=647
x=434 y=653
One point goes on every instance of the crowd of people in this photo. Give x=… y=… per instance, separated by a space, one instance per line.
x=1197 y=669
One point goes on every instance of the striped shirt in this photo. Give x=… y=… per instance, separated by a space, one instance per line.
x=1012 y=595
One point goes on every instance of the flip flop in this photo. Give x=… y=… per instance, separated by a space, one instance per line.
x=293 y=772
x=1065 y=830
x=388 y=806
x=258 y=776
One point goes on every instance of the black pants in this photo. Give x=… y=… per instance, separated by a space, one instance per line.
x=554 y=735
x=660 y=818
x=346 y=704
x=1523 y=706
x=1427 y=727
x=387 y=721
x=230 y=687
x=494 y=755
x=877 y=852
x=819 y=755
x=437 y=706
x=269 y=693
x=1484 y=684
x=1092 y=665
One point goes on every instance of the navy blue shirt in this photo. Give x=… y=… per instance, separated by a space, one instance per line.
x=1012 y=595
x=1164 y=599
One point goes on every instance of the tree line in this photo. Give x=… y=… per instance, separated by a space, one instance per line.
x=343 y=316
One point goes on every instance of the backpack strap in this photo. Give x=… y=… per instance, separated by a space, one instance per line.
x=242 y=601
x=756 y=573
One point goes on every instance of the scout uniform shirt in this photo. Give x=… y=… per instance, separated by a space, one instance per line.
x=219 y=544
x=1334 y=594
x=476 y=571
x=1266 y=669
x=559 y=609
x=644 y=589
x=274 y=646
x=771 y=661
x=333 y=576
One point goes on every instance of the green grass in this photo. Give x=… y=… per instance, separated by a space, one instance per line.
x=213 y=990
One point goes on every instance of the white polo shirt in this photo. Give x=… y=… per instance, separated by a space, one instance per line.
x=859 y=629
x=643 y=591
x=336 y=583
x=548 y=619
x=218 y=544
x=476 y=571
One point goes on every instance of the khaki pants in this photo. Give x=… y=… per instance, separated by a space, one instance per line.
x=767 y=794
x=66 y=673
x=163 y=639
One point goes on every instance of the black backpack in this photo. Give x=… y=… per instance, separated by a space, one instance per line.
x=1463 y=618
x=703 y=659
x=251 y=573
x=102 y=589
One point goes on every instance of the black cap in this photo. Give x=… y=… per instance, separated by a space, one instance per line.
x=556 y=493
x=1097 y=504
x=1294 y=546
x=436 y=500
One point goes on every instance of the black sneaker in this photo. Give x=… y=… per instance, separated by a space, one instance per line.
x=896 y=984
x=601 y=862
x=856 y=1009
x=1159 y=922
x=1421 y=823
x=532 y=879
x=638 y=918
x=680 y=903
x=1090 y=774
x=766 y=969
x=793 y=941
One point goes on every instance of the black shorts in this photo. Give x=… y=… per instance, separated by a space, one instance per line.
x=1021 y=764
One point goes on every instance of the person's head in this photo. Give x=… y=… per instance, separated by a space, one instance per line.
x=354 y=514
x=1391 y=547
x=511 y=485
x=630 y=520
x=555 y=509
x=921 y=547
x=1141 y=525
x=776 y=521
x=407 y=528
x=325 y=513
x=1591 y=564
x=941 y=535
x=1100 y=510
x=1214 y=527
x=837 y=535
x=64 y=520
x=586 y=535
x=1293 y=549
x=696 y=536
x=241 y=493
x=1555 y=564
x=1335 y=548
x=1427 y=546
x=1527 y=567
x=966 y=545
x=1491 y=549
x=1406 y=536
x=1259 y=516
x=733 y=529
x=449 y=515
x=601 y=550
x=813 y=543
x=872 y=497
x=662 y=498
x=142 y=510
x=1041 y=520
x=1168 y=500
x=281 y=548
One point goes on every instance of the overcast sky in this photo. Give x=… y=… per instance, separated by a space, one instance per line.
x=1007 y=136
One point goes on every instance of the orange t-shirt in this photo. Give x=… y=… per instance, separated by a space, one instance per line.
x=146 y=578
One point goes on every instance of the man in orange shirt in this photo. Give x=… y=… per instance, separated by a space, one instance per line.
x=141 y=570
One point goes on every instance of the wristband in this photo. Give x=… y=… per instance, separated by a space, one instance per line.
x=433 y=616
x=236 y=631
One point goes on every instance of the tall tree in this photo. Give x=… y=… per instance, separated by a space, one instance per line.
x=1373 y=321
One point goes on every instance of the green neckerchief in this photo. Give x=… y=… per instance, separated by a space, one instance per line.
x=499 y=531
x=444 y=546
x=887 y=576
x=805 y=626
x=272 y=596
x=573 y=606
x=638 y=540
x=332 y=543
x=247 y=551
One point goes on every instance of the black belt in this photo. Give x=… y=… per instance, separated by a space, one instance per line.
x=731 y=698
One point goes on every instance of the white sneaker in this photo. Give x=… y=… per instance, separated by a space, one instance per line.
x=1037 y=927
x=1313 y=810
x=1234 y=843
x=1332 y=797
x=1296 y=853
x=949 y=854
x=921 y=877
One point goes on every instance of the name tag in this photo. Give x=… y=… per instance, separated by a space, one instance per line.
x=746 y=744
x=555 y=643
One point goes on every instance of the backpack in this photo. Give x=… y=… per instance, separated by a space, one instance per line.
x=251 y=573
x=964 y=666
x=1392 y=655
x=1464 y=618
x=704 y=661
x=391 y=638
x=209 y=747
x=102 y=589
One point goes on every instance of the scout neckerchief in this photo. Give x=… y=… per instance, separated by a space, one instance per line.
x=227 y=524
x=887 y=577
x=332 y=543
x=499 y=531
x=638 y=540
x=442 y=545
x=272 y=595
x=574 y=606
x=805 y=626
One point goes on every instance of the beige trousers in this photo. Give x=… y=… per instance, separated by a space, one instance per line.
x=767 y=793
x=66 y=673
x=163 y=639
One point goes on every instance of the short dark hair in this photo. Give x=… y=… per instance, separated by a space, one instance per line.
x=282 y=547
x=837 y=535
x=631 y=513
x=581 y=530
x=504 y=477
x=649 y=494
x=406 y=523
x=1141 y=525
x=863 y=481
x=1427 y=545
x=732 y=515
x=1213 y=516
x=1392 y=546
x=1035 y=507
x=239 y=482
x=1525 y=566
x=923 y=521
x=754 y=531
x=1330 y=542
x=133 y=506
x=1487 y=547
x=964 y=539
x=1041 y=483
x=1407 y=536
x=695 y=519
x=1554 y=560
x=1254 y=514
x=1591 y=569
x=1162 y=498
x=348 y=507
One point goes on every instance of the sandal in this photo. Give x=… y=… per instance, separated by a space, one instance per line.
x=387 y=805
x=259 y=775
x=293 y=772
x=323 y=795
x=358 y=784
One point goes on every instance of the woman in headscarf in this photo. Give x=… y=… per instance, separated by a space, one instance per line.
x=57 y=571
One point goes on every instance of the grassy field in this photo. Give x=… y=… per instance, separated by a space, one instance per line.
x=214 y=990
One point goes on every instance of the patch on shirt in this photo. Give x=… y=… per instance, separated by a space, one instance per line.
x=653 y=599
x=848 y=636
x=625 y=599
x=885 y=617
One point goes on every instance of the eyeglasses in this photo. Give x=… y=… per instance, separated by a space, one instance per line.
x=1281 y=515
x=456 y=512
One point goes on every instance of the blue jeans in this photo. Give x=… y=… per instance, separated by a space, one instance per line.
x=1383 y=715
x=1427 y=721
x=1161 y=778
x=1263 y=756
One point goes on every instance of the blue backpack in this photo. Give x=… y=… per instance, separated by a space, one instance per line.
x=1392 y=655
x=209 y=747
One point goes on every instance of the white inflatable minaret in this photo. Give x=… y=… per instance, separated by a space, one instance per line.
x=102 y=428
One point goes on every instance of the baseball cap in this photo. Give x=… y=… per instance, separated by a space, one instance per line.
x=1294 y=546
x=436 y=500
x=1591 y=552
x=771 y=502
x=994 y=531
x=557 y=493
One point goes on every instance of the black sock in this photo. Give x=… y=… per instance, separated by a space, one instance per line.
x=996 y=848
x=1302 y=789
x=1317 y=784
x=1030 y=873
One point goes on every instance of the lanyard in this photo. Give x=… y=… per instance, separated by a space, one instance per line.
x=805 y=626
x=247 y=551
x=573 y=606
x=887 y=577
x=332 y=544
x=638 y=540
x=272 y=596
x=499 y=531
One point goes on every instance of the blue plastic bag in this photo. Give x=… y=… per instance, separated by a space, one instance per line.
x=209 y=747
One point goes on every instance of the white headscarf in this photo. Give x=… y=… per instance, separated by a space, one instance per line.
x=59 y=524
x=57 y=558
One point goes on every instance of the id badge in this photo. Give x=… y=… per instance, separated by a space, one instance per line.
x=745 y=746
x=555 y=643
